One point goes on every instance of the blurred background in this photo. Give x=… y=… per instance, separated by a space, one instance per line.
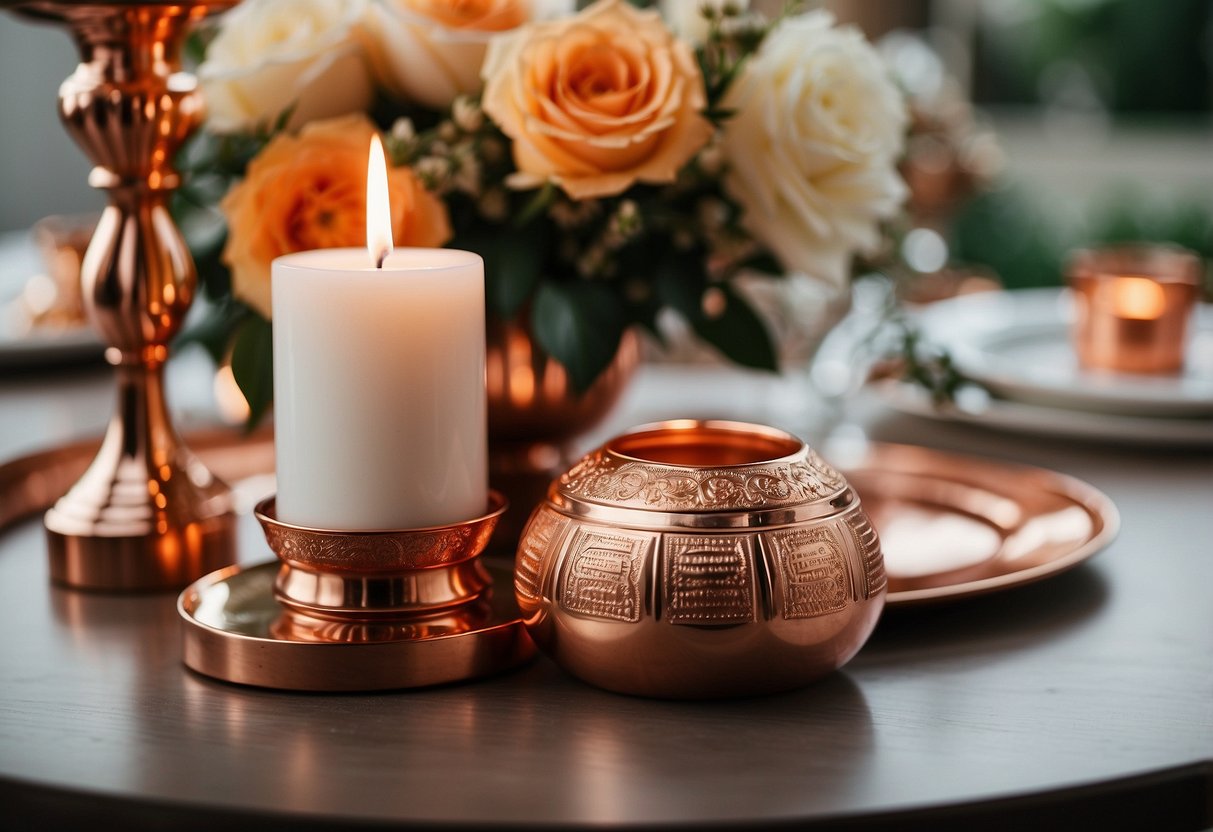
x=1039 y=125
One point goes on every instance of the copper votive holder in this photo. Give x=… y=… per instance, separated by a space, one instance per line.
x=696 y=559
x=358 y=610
x=1133 y=306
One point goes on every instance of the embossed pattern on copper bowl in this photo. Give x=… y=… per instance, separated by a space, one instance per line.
x=692 y=559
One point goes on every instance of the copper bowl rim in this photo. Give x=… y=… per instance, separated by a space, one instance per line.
x=265 y=514
x=798 y=447
x=790 y=485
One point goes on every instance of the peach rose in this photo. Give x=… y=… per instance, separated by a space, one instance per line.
x=308 y=191
x=597 y=101
x=430 y=51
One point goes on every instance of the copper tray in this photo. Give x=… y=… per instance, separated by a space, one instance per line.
x=952 y=526
x=955 y=526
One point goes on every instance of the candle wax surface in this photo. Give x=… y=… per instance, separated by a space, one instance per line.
x=379 y=400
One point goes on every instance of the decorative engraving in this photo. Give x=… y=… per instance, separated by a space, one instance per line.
x=814 y=572
x=536 y=539
x=397 y=550
x=867 y=546
x=603 y=478
x=708 y=580
x=602 y=575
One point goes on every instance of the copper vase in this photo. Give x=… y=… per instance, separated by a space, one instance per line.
x=535 y=417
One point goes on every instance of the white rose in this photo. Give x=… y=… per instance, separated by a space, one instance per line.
x=813 y=145
x=686 y=16
x=430 y=51
x=272 y=54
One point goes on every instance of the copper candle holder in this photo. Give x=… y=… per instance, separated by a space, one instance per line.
x=693 y=559
x=1133 y=306
x=357 y=610
x=147 y=514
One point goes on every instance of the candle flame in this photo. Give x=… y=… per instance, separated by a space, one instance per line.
x=1138 y=297
x=378 y=206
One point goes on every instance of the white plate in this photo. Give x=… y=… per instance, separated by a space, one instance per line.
x=1017 y=345
x=1041 y=420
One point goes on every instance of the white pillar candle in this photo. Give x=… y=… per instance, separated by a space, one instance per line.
x=379 y=399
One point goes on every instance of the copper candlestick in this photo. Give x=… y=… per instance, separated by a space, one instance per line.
x=147 y=514
x=358 y=610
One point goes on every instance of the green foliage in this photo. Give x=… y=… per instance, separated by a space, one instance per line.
x=716 y=313
x=513 y=264
x=580 y=325
x=253 y=365
x=1008 y=230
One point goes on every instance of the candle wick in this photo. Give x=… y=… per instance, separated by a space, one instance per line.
x=379 y=260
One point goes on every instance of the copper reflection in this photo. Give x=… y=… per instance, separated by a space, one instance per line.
x=1133 y=306
x=953 y=526
x=146 y=514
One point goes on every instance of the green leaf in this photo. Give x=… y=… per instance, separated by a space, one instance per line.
x=680 y=281
x=537 y=205
x=737 y=332
x=253 y=366
x=580 y=326
x=513 y=261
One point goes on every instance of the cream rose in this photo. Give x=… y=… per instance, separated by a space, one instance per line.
x=308 y=191
x=272 y=54
x=430 y=51
x=813 y=145
x=597 y=101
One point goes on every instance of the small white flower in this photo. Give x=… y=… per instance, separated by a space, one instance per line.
x=433 y=170
x=467 y=114
x=403 y=130
x=687 y=18
x=493 y=205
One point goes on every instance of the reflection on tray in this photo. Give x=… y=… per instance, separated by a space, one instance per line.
x=954 y=526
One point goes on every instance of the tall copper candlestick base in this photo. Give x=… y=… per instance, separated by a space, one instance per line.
x=358 y=610
x=147 y=514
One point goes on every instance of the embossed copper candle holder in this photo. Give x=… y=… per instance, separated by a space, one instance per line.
x=147 y=514
x=357 y=610
x=1133 y=306
x=692 y=559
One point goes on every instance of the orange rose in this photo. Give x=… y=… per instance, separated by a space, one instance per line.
x=597 y=101
x=308 y=191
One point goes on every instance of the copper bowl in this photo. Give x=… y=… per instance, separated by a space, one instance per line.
x=693 y=559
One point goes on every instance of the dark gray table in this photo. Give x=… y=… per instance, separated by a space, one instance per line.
x=1088 y=697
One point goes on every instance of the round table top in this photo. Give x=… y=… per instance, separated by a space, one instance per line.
x=1088 y=695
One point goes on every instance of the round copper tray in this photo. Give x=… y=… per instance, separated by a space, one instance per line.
x=236 y=630
x=954 y=526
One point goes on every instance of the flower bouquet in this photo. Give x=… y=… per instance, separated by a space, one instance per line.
x=610 y=164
